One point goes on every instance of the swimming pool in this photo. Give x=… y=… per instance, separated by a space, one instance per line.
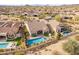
x=7 y=45
x=3 y=45
x=35 y=41
x=66 y=33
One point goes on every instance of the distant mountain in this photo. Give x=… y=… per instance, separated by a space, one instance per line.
x=44 y=5
x=53 y=5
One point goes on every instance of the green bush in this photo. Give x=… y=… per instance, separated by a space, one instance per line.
x=18 y=43
x=46 y=34
x=34 y=35
x=8 y=40
x=18 y=39
x=59 y=36
x=72 y=47
x=58 y=18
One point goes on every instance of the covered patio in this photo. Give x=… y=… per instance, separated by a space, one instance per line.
x=3 y=37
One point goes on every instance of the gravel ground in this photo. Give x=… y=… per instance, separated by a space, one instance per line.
x=53 y=49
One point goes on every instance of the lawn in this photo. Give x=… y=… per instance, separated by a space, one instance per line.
x=15 y=40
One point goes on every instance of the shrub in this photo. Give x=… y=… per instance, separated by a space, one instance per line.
x=18 y=43
x=46 y=34
x=59 y=36
x=58 y=18
x=18 y=39
x=72 y=47
x=34 y=35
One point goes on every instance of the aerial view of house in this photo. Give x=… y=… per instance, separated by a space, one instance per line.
x=39 y=29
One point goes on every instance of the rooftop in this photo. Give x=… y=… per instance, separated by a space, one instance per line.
x=36 y=25
x=9 y=27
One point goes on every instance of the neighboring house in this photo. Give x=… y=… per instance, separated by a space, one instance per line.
x=64 y=29
x=56 y=27
x=67 y=18
x=53 y=24
x=10 y=30
x=36 y=27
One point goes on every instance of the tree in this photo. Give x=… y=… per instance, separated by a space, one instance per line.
x=72 y=47
x=22 y=17
x=59 y=36
x=58 y=18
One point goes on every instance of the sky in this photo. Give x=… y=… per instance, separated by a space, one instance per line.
x=40 y=2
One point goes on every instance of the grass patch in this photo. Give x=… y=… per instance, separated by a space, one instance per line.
x=34 y=35
x=46 y=34
x=17 y=39
x=18 y=43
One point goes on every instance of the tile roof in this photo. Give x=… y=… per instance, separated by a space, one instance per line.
x=10 y=27
x=36 y=25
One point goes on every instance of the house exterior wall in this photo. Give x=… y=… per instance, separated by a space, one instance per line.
x=27 y=28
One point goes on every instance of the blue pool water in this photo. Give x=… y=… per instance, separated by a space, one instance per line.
x=65 y=33
x=3 y=45
x=35 y=41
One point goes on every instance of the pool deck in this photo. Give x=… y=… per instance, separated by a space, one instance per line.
x=36 y=37
x=11 y=45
